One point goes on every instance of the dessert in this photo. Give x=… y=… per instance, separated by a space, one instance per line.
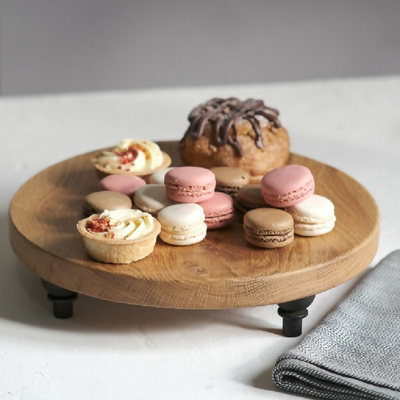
x=152 y=198
x=268 y=228
x=313 y=217
x=119 y=236
x=158 y=176
x=131 y=157
x=98 y=202
x=287 y=185
x=125 y=184
x=249 y=197
x=182 y=224
x=189 y=184
x=230 y=179
x=234 y=133
x=218 y=210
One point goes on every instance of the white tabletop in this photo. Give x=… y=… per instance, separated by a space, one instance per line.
x=112 y=351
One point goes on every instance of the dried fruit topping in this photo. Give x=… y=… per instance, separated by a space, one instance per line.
x=97 y=224
x=129 y=156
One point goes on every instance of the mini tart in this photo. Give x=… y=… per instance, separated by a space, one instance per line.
x=232 y=133
x=102 y=172
x=118 y=251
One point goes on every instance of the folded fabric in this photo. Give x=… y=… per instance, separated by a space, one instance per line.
x=355 y=352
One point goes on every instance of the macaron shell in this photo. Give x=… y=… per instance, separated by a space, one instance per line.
x=190 y=184
x=181 y=216
x=97 y=202
x=314 y=229
x=181 y=238
x=315 y=209
x=288 y=185
x=230 y=179
x=249 y=197
x=152 y=198
x=218 y=210
x=159 y=176
x=125 y=184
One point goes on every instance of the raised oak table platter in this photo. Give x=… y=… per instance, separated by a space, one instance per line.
x=222 y=271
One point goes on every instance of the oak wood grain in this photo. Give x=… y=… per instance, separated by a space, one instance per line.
x=223 y=271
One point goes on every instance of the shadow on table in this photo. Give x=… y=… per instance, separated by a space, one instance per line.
x=24 y=300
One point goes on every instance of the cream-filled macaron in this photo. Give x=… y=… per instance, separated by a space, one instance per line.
x=313 y=217
x=182 y=224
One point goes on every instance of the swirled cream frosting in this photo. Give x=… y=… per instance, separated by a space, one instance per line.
x=133 y=155
x=120 y=224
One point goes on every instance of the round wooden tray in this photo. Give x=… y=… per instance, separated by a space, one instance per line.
x=223 y=271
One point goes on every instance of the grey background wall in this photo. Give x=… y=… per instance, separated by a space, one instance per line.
x=53 y=46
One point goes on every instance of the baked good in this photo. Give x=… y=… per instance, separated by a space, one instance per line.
x=119 y=236
x=230 y=179
x=152 y=198
x=249 y=197
x=131 y=157
x=218 y=210
x=313 y=217
x=182 y=224
x=287 y=185
x=125 y=184
x=98 y=202
x=158 y=176
x=268 y=228
x=189 y=184
x=234 y=133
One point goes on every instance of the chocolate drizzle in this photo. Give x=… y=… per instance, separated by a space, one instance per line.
x=223 y=114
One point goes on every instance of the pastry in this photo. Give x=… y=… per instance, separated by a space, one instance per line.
x=182 y=224
x=268 y=228
x=189 y=184
x=249 y=197
x=131 y=157
x=234 y=133
x=98 y=202
x=313 y=217
x=287 y=185
x=119 y=236
x=218 y=210
x=152 y=198
x=230 y=179
x=125 y=184
x=158 y=176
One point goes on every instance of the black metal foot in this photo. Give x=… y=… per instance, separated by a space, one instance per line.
x=292 y=314
x=61 y=298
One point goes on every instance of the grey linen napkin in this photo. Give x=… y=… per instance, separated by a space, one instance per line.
x=355 y=352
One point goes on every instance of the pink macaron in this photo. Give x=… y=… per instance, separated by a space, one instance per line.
x=190 y=184
x=218 y=210
x=125 y=184
x=287 y=185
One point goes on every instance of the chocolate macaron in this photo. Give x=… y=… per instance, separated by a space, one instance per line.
x=230 y=179
x=268 y=228
x=249 y=197
x=98 y=202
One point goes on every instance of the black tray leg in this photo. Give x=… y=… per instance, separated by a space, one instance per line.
x=62 y=300
x=292 y=314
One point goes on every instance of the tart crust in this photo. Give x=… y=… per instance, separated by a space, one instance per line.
x=118 y=251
